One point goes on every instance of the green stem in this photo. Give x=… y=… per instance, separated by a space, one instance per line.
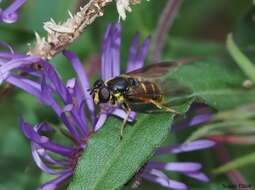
x=243 y=62
x=237 y=163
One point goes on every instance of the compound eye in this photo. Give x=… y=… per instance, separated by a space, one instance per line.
x=104 y=95
x=98 y=83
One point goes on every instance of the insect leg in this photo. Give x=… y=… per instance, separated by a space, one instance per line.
x=162 y=107
x=128 y=110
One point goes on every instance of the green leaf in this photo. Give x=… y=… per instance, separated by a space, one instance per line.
x=237 y=163
x=217 y=127
x=216 y=81
x=109 y=162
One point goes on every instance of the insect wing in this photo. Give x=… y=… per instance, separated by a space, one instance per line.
x=154 y=70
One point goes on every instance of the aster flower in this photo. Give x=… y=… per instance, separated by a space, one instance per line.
x=9 y=14
x=75 y=99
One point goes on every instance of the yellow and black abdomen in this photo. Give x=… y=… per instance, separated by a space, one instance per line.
x=143 y=92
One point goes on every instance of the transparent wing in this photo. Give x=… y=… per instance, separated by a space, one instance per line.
x=154 y=70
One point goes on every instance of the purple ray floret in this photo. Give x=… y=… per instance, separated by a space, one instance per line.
x=9 y=14
x=69 y=100
x=152 y=170
x=75 y=109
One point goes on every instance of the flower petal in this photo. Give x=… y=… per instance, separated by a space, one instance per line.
x=52 y=75
x=42 y=153
x=131 y=63
x=160 y=178
x=198 y=119
x=31 y=134
x=74 y=60
x=186 y=147
x=197 y=175
x=122 y=114
x=106 y=59
x=100 y=122
x=142 y=52
x=52 y=185
x=41 y=164
x=115 y=49
x=175 y=166
x=7 y=46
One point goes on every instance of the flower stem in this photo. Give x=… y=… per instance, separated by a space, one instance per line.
x=164 y=26
x=242 y=61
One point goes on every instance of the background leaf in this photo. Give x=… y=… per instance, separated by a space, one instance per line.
x=237 y=163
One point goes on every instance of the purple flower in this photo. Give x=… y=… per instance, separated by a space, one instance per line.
x=9 y=14
x=152 y=170
x=75 y=99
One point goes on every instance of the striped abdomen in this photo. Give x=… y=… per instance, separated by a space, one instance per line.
x=143 y=92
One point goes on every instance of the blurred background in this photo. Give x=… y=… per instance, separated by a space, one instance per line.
x=199 y=29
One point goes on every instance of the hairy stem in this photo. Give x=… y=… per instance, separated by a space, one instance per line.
x=61 y=35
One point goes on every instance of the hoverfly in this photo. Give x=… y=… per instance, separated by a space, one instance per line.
x=141 y=86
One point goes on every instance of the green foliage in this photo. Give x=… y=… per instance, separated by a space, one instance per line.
x=243 y=62
x=237 y=163
x=108 y=163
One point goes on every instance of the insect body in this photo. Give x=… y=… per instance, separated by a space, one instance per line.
x=132 y=88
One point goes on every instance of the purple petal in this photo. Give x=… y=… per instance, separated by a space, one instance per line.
x=46 y=97
x=3 y=77
x=70 y=127
x=82 y=115
x=106 y=59
x=192 y=121
x=52 y=75
x=42 y=153
x=191 y=146
x=77 y=105
x=15 y=80
x=135 y=57
x=197 y=175
x=16 y=63
x=31 y=134
x=43 y=127
x=131 y=64
x=122 y=114
x=71 y=83
x=9 y=15
x=42 y=166
x=31 y=71
x=142 y=53
x=83 y=80
x=52 y=185
x=158 y=177
x=79 y=122
x=7 y=46
x=115 y=49
x=41 y=91
x=13 y=55
x=100 y=122
x=175 y=166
